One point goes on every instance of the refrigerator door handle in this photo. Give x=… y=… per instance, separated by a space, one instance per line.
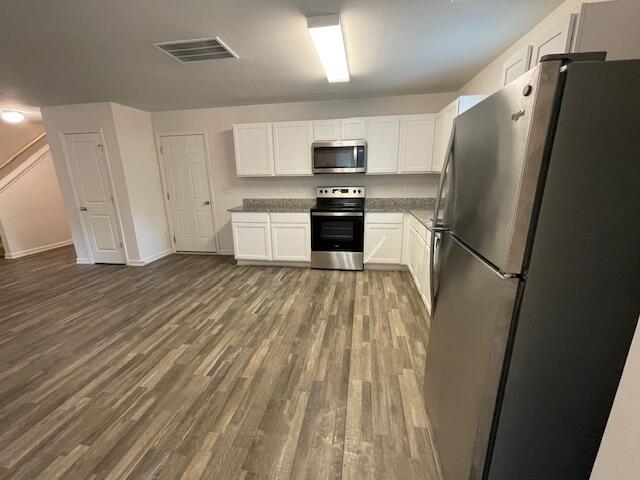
x=443 y=176
x=436 y=227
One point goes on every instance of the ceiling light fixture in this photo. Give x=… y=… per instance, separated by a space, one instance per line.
x=12 y=117
x=326 y=33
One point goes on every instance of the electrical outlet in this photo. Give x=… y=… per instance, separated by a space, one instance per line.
x=253 y=189
x=405 y=188
x=282 y=189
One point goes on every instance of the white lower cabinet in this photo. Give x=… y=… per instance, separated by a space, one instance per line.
x=291 y=237
x=252 y=241
x=383 y=238
x=416 y=257
x=284 y=237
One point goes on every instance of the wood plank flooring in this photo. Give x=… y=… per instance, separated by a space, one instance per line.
x=193 y=367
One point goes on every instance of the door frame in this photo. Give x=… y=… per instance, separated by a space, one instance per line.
x=165 y=186
x=76 y=197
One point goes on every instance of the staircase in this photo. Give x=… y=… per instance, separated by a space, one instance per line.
x=24 y=154
x=32 y=214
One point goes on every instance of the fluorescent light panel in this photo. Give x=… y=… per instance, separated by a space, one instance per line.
x=326 y=33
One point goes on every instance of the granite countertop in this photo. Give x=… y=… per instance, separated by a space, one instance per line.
x=420 y=208
x=279 y=205
x=425 y=217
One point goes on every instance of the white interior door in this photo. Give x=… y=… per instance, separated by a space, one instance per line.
x=185 y=163
x=88 y=162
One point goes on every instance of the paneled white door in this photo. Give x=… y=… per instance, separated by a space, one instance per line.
x=88 y=163
x=185 y=164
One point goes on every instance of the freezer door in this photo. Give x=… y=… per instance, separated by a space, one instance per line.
x=469 y=333
x=498 y=151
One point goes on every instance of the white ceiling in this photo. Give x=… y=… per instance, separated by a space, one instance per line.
x=75 y=51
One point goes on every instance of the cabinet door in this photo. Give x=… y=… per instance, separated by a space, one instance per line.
x=326 y=130
x=292 y=147
x=444 y=125
x=353 y=129
x=382 y=139
x=251 y=241
x=420 y=265
x=555 y=40
x=291 y=241
x=389 y=238
x=416 y=143
x=253 y=144
x=516 y=65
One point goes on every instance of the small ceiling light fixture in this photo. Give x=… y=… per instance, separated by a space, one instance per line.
x=11 y=116
x=326 y=33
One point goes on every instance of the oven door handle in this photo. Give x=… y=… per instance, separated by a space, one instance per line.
x=337 y=214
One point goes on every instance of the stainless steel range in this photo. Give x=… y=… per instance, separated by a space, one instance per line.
x=337 y=228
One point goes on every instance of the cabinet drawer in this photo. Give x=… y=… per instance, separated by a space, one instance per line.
x=376 y=217
x=249 y=217
x=420 y=229
x=298 y=217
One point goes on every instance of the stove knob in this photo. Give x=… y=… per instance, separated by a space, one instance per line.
x=354 y=191
x=359 y=191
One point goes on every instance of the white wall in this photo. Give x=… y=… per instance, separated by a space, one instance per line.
x=142 y=176
x=130 y=151
x=31 y=209
x=87 y=118
x=229 y=190
x=619 y=454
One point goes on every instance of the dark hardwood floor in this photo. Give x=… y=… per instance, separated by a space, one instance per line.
x=193 y=367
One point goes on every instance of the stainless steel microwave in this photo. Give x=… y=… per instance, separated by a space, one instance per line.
x=339 y=157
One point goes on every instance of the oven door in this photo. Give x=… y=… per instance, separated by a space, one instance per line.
x=339 y=157
x=337 y=231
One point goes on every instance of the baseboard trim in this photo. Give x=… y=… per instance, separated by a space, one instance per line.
x=31 y=251
x=83 y=261
x=268 y=263
x=225 y=252
x=149 y=259
x=384 y=266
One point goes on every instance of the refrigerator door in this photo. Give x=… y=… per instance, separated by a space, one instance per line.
x=580 y=307
x=469 y=334
x=496 y=164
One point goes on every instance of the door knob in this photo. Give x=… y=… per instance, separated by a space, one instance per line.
x=83 y=209
x=207 y=202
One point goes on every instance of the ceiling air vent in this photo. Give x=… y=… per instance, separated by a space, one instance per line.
x=196 y=49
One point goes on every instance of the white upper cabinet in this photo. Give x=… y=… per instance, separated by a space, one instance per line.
x=516 y=65
x=292 y=147
x=326 y=130
x=444 y=125
x=416 y=143
x=353 y=129
x=254 y=149
x=382 y=140
x=554 y=40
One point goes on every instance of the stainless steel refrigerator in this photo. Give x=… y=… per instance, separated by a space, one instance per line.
x=536 y=284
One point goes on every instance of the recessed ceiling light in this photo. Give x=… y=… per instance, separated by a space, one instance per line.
x=326 y=33
x=12 y=117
